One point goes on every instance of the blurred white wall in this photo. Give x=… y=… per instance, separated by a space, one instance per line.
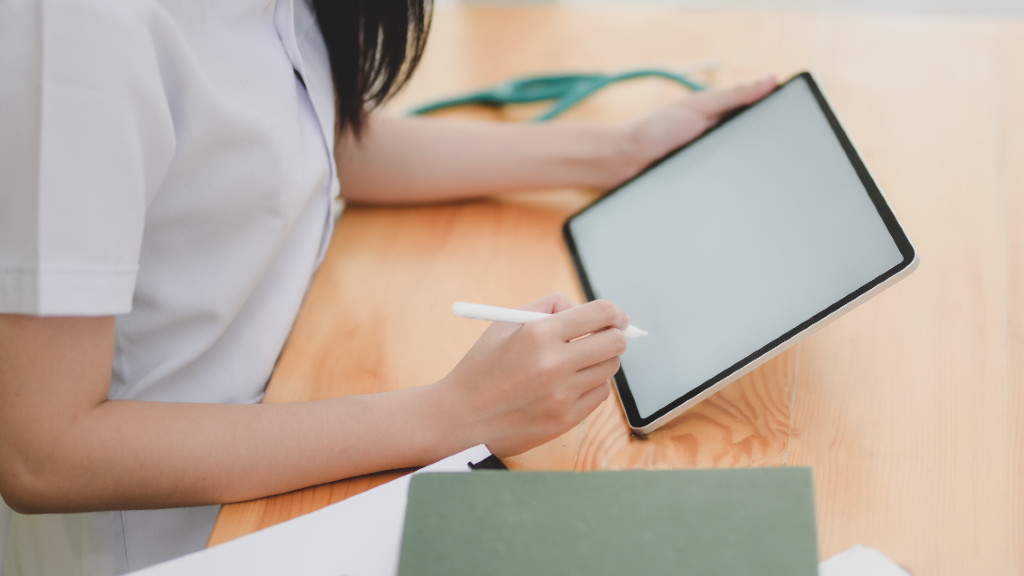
x=954 y=7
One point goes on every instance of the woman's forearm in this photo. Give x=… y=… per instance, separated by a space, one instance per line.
x=401 y=159
x=134 y=455
x=65 y=448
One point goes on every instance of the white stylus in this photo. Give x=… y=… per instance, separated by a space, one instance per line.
x=499 y=314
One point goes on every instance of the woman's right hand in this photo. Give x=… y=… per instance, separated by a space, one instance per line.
x=522 y=385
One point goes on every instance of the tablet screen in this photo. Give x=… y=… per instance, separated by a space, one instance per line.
x=735 y=242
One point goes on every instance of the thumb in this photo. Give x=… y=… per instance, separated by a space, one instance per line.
x=550 y=304
x=715 y=103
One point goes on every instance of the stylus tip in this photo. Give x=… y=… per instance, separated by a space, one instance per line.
x=634 y=332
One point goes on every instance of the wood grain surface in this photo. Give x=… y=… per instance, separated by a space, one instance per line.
x=1011 y=66
x=909 y=409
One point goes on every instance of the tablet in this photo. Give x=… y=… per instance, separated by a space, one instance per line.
x=733 y=247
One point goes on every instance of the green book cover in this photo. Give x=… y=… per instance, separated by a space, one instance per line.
x=680 y=522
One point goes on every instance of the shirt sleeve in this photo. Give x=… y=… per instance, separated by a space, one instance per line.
x=85 y=139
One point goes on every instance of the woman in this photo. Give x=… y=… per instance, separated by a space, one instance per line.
x=169 y=171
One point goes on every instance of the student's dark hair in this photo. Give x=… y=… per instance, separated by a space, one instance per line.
x=373 y=46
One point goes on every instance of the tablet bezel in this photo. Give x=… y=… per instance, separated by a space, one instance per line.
x=805 y=328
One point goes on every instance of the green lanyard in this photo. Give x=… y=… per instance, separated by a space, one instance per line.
x=565 y=91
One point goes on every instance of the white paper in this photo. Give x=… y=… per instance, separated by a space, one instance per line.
x=360 y=536
x=860 y=561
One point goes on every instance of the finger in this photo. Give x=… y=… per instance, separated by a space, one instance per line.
x=597 y=348
x=589 y=318
x=549 y=304
x=591 y=399
x=561 y=303
x=592 y=375
x=715 y=103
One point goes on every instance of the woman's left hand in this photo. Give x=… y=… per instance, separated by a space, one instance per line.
x=676 y=124
x=414 y=160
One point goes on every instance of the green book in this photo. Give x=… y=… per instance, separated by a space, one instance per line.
x=680 y=522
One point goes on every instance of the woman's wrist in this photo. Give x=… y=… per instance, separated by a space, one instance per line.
x=610 y=154
x=452 y=425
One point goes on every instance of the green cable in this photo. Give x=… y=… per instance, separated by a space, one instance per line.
x=566 y=91
x=583 y=91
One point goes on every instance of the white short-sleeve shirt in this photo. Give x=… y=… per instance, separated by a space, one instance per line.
x=168 y=162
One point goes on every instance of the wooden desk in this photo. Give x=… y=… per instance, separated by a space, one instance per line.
x=909 y=409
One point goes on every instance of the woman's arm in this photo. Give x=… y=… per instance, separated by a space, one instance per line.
x=64 y=447
x=403 y=159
